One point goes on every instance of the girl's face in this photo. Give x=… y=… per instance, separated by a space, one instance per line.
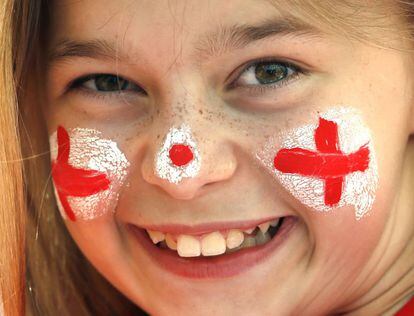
x=226 y=116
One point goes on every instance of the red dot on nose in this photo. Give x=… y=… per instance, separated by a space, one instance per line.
x=180 y=154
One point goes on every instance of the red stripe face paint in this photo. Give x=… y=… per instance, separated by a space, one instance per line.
x=328 y=162
x=327 y=165
x=87 y=172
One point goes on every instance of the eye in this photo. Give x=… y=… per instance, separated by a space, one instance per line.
x=106 y=83
x=269 y=73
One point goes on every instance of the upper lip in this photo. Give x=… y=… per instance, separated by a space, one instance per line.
x=204 y=228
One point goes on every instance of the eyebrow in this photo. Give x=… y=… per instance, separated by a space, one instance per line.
x=96 y=48
x=220 y=41
x=235 y=37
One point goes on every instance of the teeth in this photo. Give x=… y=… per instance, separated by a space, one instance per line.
x=213 y=244
x=170 y=242
x=249 y=242
x=188 y=246
x=234 y=249
x=262 y=238
x=250 y=230
x=275 y=222
x=155 y=236
x=264 y=227
x=234 y=238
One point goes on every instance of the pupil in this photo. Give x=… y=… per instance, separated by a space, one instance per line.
x=270 y=72
x=110 y=83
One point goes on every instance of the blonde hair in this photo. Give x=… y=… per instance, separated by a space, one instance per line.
x=58 y=277
x=12 y=206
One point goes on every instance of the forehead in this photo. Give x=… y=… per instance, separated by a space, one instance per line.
x=168 y=27
x=181 y=13
x=110 y=15
x=188 y=32
x=161 y=16
x=156 y=21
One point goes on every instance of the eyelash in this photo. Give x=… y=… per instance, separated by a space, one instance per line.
x=297 y=71
x=78 y=85
x=263 y=88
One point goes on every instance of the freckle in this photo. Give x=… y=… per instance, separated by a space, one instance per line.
x=158 y=111
x=200 y=111
x=158 y=136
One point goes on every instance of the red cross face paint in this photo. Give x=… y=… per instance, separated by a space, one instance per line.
x=88 y=172
x=327 y=165
x=179 y=156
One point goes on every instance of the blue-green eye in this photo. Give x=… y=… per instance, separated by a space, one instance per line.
x=106 y=83
x=266 y=73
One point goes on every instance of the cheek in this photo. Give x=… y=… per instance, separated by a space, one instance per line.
x=326 y=165
x=88 y=173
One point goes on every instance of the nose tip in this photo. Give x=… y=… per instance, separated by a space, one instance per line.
x=180 y=170
x=179 y=156
x=186 y=189
x=180 y=187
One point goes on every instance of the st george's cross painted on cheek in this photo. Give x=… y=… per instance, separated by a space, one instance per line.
x=88 y=171
x=328 y=165
x=328 y=162
x=72 y=181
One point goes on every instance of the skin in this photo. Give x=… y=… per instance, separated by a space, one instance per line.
x=331 y=262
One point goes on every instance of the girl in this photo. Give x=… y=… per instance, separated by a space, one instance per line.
x=239 y=158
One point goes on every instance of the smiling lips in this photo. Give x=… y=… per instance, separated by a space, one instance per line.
x=209 y=262
x=216 y=242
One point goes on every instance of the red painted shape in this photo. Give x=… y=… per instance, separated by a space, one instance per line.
x=71 y=181
x=180 y=154
x=328 y=163
x=407 y=310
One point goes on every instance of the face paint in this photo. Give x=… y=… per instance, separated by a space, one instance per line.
x=328 y=165
x=179 y=156
x=87 y=172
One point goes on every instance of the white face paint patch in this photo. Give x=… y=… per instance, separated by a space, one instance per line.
x=326 y=165
x=179 y=156
x=88 y=172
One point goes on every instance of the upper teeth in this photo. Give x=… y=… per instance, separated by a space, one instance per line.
x=188 y=246
x=234 y=238
x=214 y=243
x=156 y=236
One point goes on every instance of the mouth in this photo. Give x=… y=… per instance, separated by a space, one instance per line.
x=213 y=253
x=217 y=242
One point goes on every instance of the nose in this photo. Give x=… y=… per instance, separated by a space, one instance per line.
x=183 y=167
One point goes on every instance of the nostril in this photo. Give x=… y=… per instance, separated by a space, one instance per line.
x=180 y=154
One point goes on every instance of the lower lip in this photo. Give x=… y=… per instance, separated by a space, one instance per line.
x=216 y=266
